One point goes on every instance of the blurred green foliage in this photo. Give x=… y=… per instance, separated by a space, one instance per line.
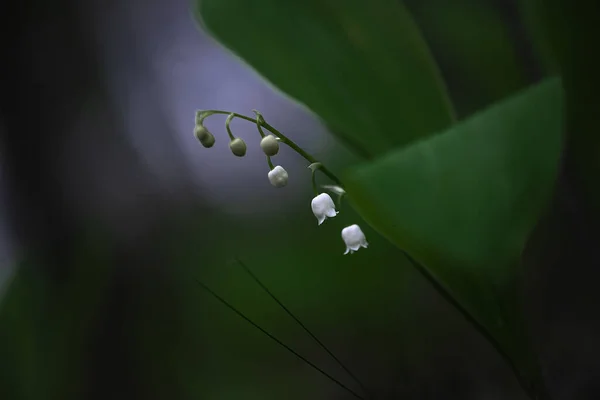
x=46 y=329
x=369 y=73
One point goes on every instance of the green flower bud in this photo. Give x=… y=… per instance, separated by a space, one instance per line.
x=269 y=145
x=208 y=140
x=200 y=132
x=204 y=136
x=238 y=147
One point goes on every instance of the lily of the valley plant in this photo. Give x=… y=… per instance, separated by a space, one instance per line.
x=322 y=204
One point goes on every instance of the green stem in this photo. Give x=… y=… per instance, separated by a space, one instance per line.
x=259 y=121
x=227 y=122
x=314 y=183
x=284 y=139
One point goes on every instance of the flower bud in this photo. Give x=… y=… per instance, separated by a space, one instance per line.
x=269 y=145
x=238 y=147
x=200 y=132
x=278 y=177
x=208 y=141
x=204 y=136
x=354 y=238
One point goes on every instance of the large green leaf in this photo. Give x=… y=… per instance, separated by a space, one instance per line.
x=356 y=64
x=464 y=202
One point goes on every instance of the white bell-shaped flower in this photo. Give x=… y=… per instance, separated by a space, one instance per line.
x=354 y=238
x=278 y=176
x=323 y=207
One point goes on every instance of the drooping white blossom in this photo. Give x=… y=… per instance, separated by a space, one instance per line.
x=354 y=238
x=278 y=176
x=323 y=207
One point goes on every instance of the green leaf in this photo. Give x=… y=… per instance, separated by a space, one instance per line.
x=356 y=65
x=472 y=40
x=464 y=202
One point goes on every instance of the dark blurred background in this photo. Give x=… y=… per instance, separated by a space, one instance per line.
x=110 y=209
